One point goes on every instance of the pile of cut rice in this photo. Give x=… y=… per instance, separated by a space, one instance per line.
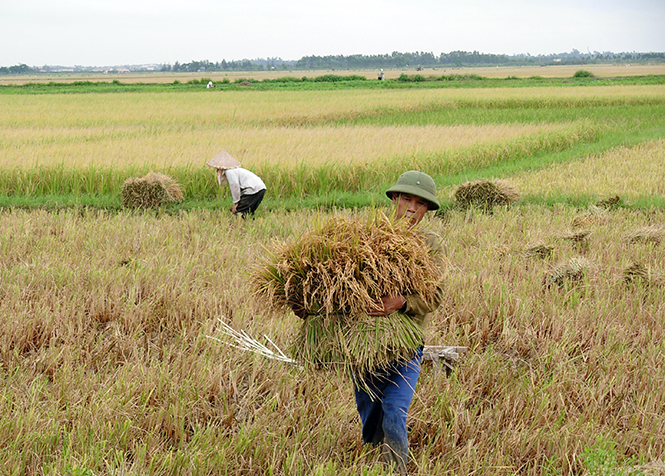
x=150 y=191
x=336 y=272
x=485 y=194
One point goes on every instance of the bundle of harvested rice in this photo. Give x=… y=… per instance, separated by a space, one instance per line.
x=649 y=234
x=485 y=194
x=359 y=345
x=151 y=191
x=594 y=215
x=638 y=273
x=610 y=202
x=571 y=271
x=579 y=239
x=539 y=250
x=335 y=273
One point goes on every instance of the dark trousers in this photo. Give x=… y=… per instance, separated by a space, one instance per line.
x=249 y=203
x=383 y=414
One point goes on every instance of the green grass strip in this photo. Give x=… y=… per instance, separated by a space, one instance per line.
x=326 y=82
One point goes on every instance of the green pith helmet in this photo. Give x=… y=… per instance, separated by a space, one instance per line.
x=416 y=183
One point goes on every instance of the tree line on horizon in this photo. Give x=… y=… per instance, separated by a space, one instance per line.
x=394 y=60
x=411 y=60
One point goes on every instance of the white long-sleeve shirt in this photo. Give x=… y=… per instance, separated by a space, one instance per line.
x=242 y=182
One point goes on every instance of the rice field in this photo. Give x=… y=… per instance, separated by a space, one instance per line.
x=305 y=143
x=285 y=146
x=108 y=369
x=184 y=130
x=108 y=317
x=630 y=173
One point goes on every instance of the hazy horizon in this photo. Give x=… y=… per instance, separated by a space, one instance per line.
x=97 y=33
x=218 y=60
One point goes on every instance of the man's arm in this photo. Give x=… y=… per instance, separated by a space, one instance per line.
x=417 y=306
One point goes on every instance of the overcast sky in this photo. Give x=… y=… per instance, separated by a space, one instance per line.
x=129 y=32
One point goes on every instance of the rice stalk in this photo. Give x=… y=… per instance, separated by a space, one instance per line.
x=243 y=341
x=356 y=346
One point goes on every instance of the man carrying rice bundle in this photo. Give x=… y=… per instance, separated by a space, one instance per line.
x=384 y=418
x=363 y=288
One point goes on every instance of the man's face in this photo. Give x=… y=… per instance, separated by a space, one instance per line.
x=410 y=207
x=221 y=177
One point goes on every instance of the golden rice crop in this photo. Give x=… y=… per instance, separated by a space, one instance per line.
x=119 y=145
x=168 y=110
x=627 y=172
x=174 y=129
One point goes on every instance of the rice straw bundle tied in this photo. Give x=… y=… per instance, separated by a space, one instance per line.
x=336 y=272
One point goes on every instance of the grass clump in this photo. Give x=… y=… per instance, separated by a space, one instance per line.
x=150 y=191
x=332 y=276
x=485 y=194
x=583 y=73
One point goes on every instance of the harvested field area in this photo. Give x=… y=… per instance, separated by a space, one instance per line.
x=107 y=366
x=111 y=309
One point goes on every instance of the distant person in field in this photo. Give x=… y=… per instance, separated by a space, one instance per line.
x=381 y=76
x=210 y=85
x=247 y=189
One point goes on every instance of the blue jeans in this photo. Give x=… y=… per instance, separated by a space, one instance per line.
x=383 y=413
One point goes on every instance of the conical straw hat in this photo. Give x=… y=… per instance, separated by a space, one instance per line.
x=223 y=161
